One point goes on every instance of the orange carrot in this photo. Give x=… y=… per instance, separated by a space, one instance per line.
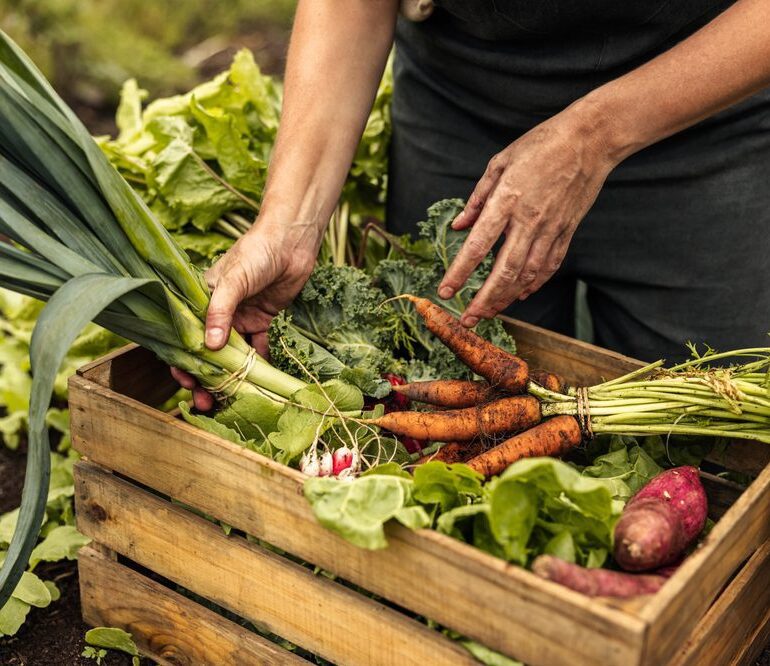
x=451 y=393
x=500 y=368
x=552 y=438
x=548 y=380
x=454 y=452
x=462 y=425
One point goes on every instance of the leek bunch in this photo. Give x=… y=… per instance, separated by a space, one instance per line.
x=86 y=243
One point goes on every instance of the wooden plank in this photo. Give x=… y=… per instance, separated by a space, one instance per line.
x=285 y=598
x=744 y=456
x=165 y=625
x=497 y=604
x=721 y=493
x=135 y=372
x=737 y=625
x=674 y=611
x=578 y=362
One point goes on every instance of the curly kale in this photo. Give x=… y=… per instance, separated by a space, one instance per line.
x=339 y=326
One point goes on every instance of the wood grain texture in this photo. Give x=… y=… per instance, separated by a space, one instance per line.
x=285 y=598
x=580 y=363
x=737 y=625
x=495 y=603
x=165 y=625
x=134 y=372
x=676 y=609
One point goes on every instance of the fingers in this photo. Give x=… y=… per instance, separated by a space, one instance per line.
x=260 y=343
x=225 y=299
x=550 y=264
x=480 y=194
x=506 y=278
x=184 y=379
x=202 y=399
x=475 y=248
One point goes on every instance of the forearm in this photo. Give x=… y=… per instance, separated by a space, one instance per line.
x=721 y=64
x=336 y=58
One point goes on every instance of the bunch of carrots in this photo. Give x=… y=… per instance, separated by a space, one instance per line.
x=471 y=416
x=515 y=413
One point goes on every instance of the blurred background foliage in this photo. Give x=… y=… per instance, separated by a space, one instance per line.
x=88 y=48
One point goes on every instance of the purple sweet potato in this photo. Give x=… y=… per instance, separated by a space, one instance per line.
x=661 y=520
x=596 y=582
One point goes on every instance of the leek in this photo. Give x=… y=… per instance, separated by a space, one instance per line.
x=84 y=241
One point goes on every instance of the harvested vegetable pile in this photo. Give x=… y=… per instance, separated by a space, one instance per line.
x=88 y=243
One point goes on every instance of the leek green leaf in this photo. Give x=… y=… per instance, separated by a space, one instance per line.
x=60 y=322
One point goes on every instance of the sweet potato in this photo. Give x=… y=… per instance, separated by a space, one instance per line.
x=661 y=520
x=596 y=582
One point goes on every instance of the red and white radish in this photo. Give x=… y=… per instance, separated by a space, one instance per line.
x=309 y=464
x=325 y=464
x=342 y=459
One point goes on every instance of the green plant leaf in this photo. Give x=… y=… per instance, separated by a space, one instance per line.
x=33 y=591
x=112 y=638
x=12 y=616
x=60 y=322
x=445 y=485
x=358 y=510
x=61 y=543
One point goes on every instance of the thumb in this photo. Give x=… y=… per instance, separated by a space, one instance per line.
x=225 y=298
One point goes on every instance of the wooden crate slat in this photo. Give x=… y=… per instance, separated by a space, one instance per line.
x=133 y=371
x=287 y=599
x=548 y=624
x=729 y=633
x=165 y=625
x=675 y=610
x=576 y=361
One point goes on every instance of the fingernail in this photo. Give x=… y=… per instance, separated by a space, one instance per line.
x=470 y=322
x=458 y=219
x=446 y=292
x=215 y=337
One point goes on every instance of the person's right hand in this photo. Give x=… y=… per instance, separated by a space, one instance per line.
x=251 y=283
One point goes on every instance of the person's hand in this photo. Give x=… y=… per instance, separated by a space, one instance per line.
x=254 y=280
x=535 y=193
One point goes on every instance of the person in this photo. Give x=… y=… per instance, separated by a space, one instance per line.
x=623 y=143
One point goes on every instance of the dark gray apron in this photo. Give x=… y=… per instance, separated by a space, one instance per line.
x=677 y=246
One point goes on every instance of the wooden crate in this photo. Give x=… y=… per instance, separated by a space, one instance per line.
x=714 y=610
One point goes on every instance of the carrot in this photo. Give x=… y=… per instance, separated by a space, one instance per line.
x=462 y=425
x=500 y=368
x=451 y=393
x=451 y=452
x=596 y=582
x=552 y=438
x=454 y=452
x=548 y=380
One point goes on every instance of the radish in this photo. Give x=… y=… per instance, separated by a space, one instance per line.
x=308 y=464
x=326 y=465
x=661 y=520
x=342 y=459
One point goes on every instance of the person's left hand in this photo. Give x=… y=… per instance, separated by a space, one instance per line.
x=535 y=192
